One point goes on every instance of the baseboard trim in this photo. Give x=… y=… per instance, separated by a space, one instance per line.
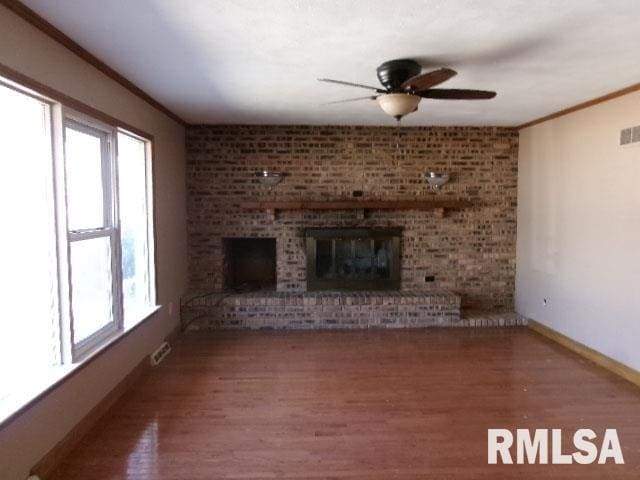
x=608 y=363
x=50 y=462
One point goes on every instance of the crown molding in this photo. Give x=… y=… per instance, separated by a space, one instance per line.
x=582 y=106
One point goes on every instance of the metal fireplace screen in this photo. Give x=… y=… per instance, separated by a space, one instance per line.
x=353 y=258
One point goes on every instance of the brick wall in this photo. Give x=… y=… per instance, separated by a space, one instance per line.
x=471 y=252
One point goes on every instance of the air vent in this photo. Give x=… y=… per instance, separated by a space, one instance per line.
x=629 y=136
x=162 y=351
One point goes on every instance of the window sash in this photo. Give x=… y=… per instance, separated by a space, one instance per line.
x=81 y=348
x=109 y=229
x=105 y=134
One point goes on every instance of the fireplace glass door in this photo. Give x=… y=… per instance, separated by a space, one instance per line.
x=352 y=259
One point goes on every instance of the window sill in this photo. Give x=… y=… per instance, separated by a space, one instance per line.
x=37 y=385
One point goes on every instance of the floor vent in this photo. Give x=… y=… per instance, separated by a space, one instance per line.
x=162 y=351
x=629 y=136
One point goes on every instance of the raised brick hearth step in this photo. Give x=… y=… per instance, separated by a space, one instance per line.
x=322 y=310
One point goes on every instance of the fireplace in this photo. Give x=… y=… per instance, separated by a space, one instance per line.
x=249 y=264
x=353 y=258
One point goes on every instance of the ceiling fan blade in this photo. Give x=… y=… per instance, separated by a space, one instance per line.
x=456 y=94
x=350 y=84
x=427 y=80
x=368 y=97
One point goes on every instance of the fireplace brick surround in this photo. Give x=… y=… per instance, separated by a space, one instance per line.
x=469 y=253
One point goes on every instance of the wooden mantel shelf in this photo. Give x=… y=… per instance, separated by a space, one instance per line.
x=361 y=206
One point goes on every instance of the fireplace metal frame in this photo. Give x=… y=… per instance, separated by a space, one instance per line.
x=392 y=234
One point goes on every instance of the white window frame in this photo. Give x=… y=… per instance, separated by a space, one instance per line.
x=151 y=219
x=110 y=229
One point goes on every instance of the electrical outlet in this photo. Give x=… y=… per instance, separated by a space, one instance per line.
x=545 y=302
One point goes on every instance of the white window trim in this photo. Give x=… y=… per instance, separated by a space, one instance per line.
x=59 y=199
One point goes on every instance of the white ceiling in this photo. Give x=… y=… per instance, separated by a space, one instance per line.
x=256 y=61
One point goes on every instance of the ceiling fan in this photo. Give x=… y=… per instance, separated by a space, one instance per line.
x=404 y=86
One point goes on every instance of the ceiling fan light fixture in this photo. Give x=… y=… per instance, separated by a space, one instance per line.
x=398 y=104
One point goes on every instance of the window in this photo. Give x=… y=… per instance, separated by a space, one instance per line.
x=28 y=279
x=134 y=185
x=92 y=235
x=77 y=250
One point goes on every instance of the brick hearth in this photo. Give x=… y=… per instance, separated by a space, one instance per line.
x=323 y=310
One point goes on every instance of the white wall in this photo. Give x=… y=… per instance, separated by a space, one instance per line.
x=579 y=228
x=25 y=49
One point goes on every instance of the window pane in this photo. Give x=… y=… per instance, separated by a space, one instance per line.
x=28 y=277
x=85 y=195
x=91 y=286
x=132 y=184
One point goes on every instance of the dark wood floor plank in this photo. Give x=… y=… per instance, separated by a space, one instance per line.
x=355 y=405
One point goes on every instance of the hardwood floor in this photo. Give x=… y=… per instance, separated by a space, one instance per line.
x=355 y=405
